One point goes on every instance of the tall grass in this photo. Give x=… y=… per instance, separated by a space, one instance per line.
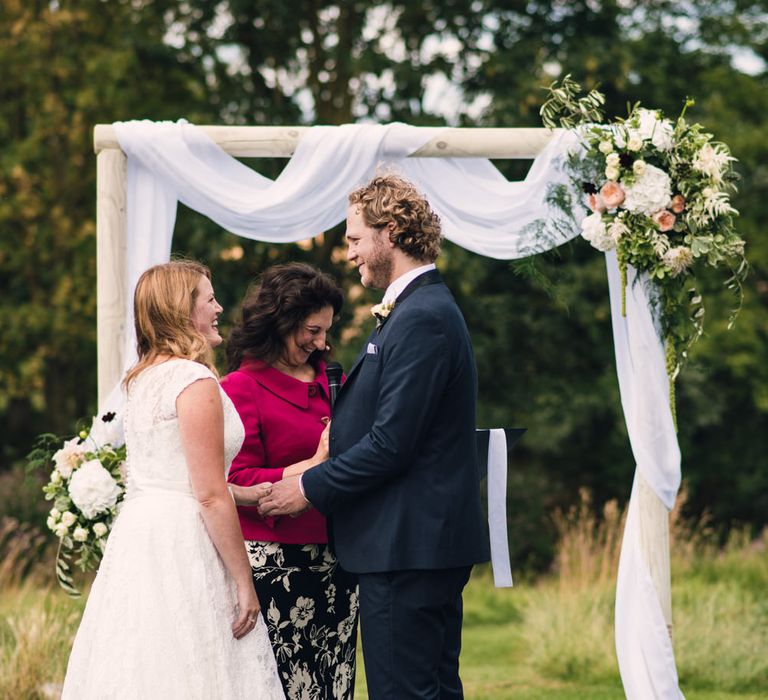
x=37 y=622
x=720 y=608
x=548 y=638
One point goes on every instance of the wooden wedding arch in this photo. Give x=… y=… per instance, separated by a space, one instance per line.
x=281 y=142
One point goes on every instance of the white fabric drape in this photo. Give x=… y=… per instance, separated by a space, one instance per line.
x=482 y=212
x=643 y=646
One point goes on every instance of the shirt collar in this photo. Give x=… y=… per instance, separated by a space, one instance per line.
x=396 y=288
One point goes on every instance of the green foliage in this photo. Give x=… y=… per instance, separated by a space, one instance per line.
x=541 y=329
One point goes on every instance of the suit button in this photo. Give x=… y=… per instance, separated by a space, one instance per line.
x=313 y=389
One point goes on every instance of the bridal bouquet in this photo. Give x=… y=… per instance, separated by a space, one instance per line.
x=659 y=193
x=86 y=486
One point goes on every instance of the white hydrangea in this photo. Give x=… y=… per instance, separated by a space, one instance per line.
x=68 y=457
x=650 y=192
x=92 y=489
x=659 y=131
x=594 y=230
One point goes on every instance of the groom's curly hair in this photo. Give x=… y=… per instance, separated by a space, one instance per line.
x=392 y=199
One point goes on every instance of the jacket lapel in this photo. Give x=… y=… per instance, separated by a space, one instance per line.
x=431 y=277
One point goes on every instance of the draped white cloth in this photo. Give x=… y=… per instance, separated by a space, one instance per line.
x=643 y=646
x=480 y=211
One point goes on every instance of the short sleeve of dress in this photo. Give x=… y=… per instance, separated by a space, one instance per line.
x=178 y=375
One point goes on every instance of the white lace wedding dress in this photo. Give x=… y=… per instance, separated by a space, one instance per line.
x=158 y=619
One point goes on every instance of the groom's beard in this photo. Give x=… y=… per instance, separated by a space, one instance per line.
x=379 y=267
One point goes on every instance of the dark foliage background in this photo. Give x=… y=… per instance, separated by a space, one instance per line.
x=541 y=328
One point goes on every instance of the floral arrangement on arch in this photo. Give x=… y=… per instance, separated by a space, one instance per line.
x=659 y=193
x=86 y=485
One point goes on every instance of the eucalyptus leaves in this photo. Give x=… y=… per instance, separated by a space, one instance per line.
x=659 y=192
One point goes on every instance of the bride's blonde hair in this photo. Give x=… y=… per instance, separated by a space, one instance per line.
x=163 y=304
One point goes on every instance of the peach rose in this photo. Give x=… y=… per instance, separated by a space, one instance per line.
x=664 y=220
x=612 y=194
x=678 y=204
x=596 y=203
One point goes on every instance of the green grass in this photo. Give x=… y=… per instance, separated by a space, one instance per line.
x=549 y=638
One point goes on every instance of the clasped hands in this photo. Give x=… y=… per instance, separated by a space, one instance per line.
x=282 y=498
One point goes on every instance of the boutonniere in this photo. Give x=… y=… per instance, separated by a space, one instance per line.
x=381 y=311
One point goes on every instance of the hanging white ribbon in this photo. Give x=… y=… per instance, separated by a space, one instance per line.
x=497 y=507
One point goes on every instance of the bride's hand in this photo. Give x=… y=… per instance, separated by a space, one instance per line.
x=250 y=495
x=248 y=610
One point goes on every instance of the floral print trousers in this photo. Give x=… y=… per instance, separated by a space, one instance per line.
x=310 y=605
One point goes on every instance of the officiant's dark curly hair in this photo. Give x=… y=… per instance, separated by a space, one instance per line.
x=392 y=199
x=276 y=308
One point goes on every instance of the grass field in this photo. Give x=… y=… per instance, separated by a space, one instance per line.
x=547 y=638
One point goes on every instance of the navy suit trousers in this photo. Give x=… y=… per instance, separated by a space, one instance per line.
x=411 y=633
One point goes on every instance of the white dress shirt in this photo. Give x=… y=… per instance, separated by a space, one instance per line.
x=396 y=288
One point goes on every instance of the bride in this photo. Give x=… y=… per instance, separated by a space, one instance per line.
x=173 y=612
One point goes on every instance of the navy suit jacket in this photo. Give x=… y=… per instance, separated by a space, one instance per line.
x=401 y=489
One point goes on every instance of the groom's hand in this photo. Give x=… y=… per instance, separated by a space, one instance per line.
x=285 y=498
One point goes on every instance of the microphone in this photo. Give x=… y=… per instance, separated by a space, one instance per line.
x=333 y=372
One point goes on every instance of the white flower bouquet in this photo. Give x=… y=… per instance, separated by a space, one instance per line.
x=86 y=485
x=659 y=193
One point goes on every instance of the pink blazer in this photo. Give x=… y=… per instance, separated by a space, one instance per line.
x=283 y=422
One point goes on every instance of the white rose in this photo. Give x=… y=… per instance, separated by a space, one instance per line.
x=68 y=457
x=69 y=519
x=593 y=229
x=651 y=191
x=612 y=172
x=612 y=159
x=80 y=534
x=99 y=529
x=605 y=147
x=635 y=143
x=51 y=523
x=638 y=167
x=55 y=513
x=92 y=489
x=61 y=530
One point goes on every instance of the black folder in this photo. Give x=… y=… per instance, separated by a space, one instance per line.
x=483 y=436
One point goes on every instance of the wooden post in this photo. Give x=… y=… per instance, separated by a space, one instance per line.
x=654 y=535
x=111 y=251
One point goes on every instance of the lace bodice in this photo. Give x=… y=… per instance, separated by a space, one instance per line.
x=155 y=458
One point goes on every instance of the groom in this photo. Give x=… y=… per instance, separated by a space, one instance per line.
x=401 y=489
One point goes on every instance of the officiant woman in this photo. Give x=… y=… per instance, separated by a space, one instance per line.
x=276 y=357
